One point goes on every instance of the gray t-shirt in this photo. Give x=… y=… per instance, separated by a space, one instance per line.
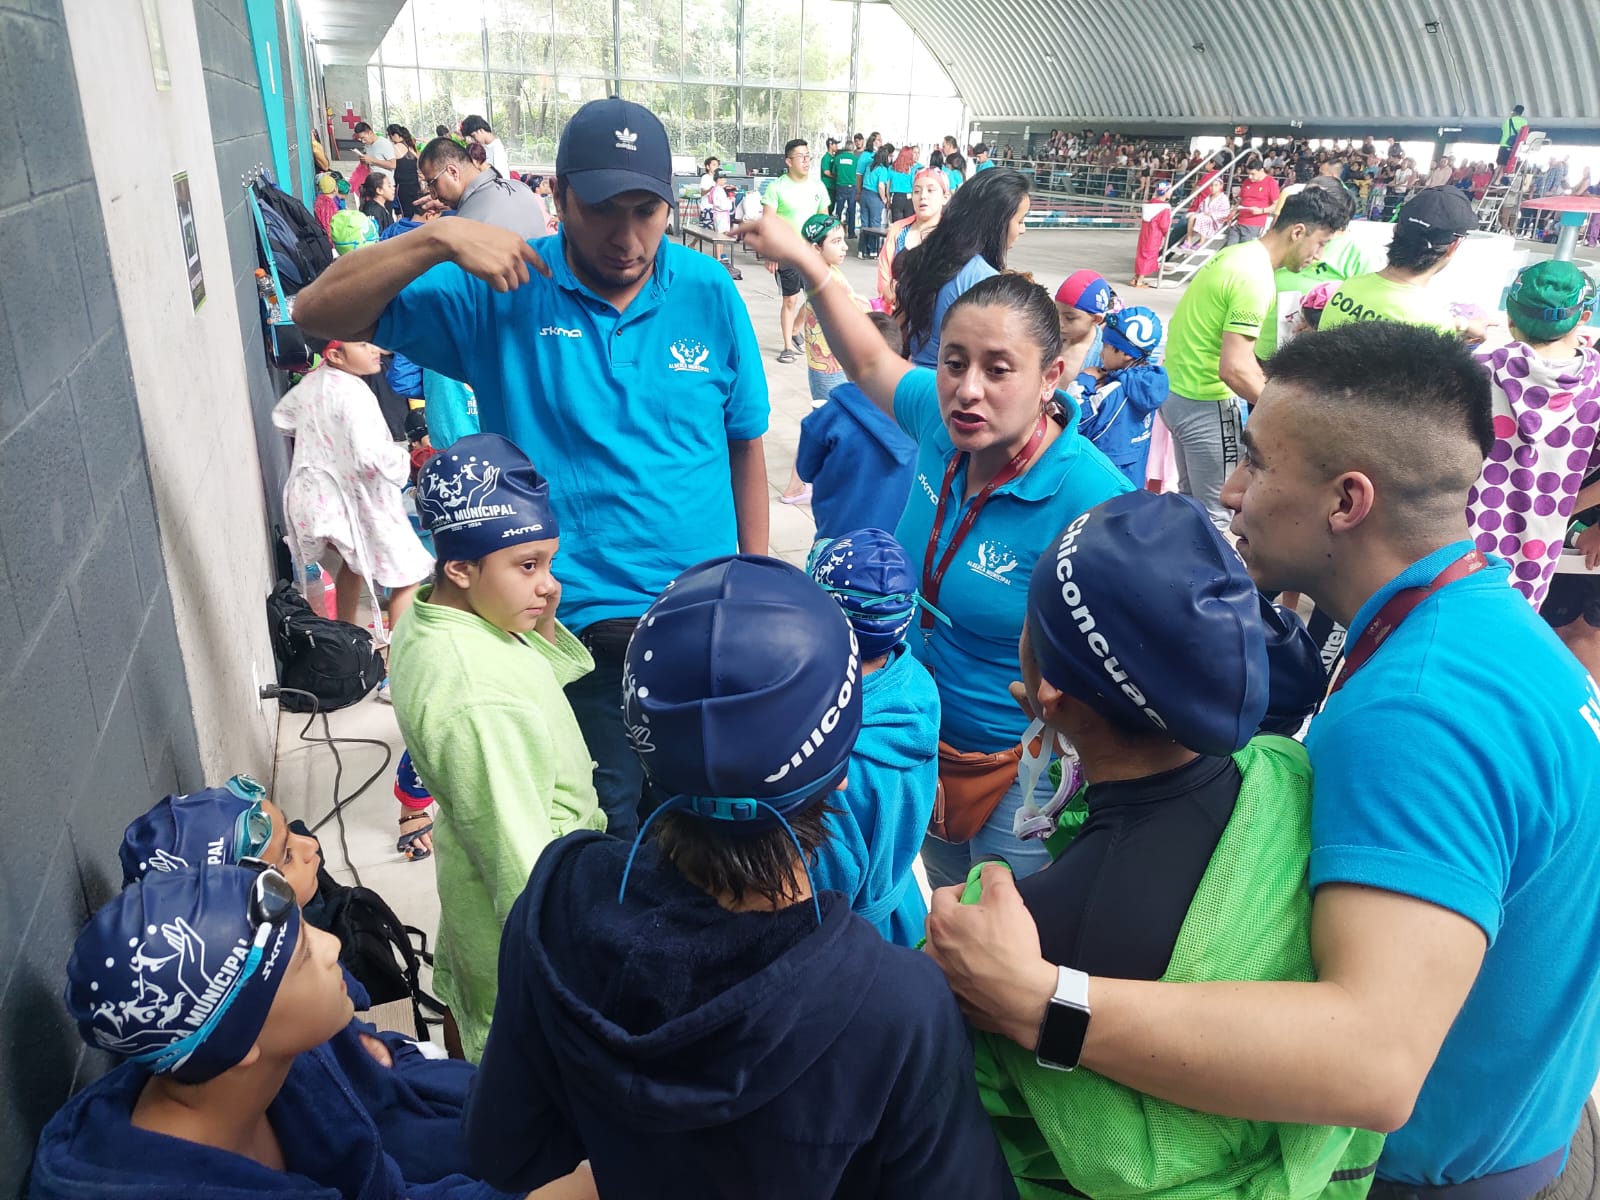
x=382 y=148
x=504 y=202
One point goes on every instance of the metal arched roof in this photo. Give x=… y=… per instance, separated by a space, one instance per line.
x=1454 y=62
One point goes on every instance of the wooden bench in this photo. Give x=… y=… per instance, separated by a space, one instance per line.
x=706 y=239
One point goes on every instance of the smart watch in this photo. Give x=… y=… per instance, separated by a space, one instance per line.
x=1066 y=1022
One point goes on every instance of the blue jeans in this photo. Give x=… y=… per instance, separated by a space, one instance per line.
x=947 y=864
x=844 y=207
x=871 y=214
x=596 y=701
x=822 y=383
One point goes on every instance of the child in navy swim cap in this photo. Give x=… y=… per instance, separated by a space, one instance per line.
x=893 y=779
x=688 y=1010
x=476 y=676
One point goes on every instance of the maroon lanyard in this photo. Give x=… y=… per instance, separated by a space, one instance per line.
x=1397 y=608
x=932 y=575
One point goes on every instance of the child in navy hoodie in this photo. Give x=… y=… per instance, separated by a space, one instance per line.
x=856 y=459
x=1120 y=397
x=415 y=1100
x=882 y=818
x=689 y=1012
x=221 y=1001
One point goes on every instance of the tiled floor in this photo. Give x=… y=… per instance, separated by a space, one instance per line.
x=304 y=777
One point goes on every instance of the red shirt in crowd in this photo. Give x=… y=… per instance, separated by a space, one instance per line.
x=1262 y=193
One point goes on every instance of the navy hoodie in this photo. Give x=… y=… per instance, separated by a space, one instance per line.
x=690 y=1051
x=858 y=462
x=91 y=1148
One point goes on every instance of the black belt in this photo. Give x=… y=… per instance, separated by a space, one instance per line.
x=1519 y=1183
x=607 y=641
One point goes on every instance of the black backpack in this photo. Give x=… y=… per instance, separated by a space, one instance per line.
x=300 y=248
x=374 y=944
x=336 y=662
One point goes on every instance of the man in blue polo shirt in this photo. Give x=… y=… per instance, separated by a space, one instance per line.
x=1455 y=815
x=624 y=366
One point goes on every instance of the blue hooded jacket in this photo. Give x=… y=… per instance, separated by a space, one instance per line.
x=894 y=774
x=91 y=1149
x=858 y=462
x=690 y=1051
x=1117 y=412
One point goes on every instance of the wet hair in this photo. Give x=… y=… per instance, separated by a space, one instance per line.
x=888 y=327
x=1023 y=297
x=443 y=151
x=475 y=124
x=1317 y=208
x=729 y=862
x=976 y=223
x=1406 y=404
x=404 y=134
x=1412 y=251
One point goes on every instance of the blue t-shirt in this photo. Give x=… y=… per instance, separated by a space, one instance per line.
x=986 y=165
x=985 y=590
x=874 y=177
x=622 y=412
x=925 y=352
x=900 y=181
x=1461 y=765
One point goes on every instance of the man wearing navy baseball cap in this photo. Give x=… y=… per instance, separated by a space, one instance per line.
x=622 y=364
x=690 y=1012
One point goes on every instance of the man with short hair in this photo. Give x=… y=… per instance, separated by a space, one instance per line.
x=794 y=196
x=1211 y=340
x=477 y=192
x=1454 y=930
x=980 y=158
x=1258 y=196
x=379 y=152
x=477 y=129
x=845 y=170
x=624 y=366
x=1512 y=130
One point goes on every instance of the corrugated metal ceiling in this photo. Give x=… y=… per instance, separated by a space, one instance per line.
x=1320 y=61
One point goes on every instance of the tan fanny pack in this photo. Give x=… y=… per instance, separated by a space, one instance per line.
x=971 y=785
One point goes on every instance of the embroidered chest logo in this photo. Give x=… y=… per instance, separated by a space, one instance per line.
x=689 y=356
x=996 y=561
x=557 y=331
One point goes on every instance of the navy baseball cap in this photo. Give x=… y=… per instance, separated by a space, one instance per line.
x=870 y=576
x=179 y=970
x=482 y=495
x=1144 y=612
x=218 y=825
x=613 y=146
x=741 y=691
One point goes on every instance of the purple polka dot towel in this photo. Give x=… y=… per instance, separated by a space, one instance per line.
x=1546 y=420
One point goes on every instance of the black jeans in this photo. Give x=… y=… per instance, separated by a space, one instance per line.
x=596 y=701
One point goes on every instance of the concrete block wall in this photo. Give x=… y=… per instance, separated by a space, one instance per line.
x=239 y=135
x=95 y=714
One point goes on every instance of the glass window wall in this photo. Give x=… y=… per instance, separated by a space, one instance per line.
x=528 y=64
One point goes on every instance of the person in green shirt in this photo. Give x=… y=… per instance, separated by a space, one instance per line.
x=1427 y=233
x=845 y=168
x=1510 y=138
x=476 y=672
x=829 y=164
x=1343 y=258
x=795 y=195
x=1211 y=358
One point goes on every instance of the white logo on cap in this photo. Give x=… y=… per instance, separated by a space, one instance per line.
x=164 y=860
x=689 y=356
x=829 y=721
x=626 y=138
x=452 y=501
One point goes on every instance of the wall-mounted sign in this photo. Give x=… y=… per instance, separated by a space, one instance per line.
x=191 y=238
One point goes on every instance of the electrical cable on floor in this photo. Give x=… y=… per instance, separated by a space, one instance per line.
x=327 y=738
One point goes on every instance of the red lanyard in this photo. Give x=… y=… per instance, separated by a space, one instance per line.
x=933 y=576
x=1397 y=608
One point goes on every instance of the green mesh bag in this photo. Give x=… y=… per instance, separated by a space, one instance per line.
x=1250 y=920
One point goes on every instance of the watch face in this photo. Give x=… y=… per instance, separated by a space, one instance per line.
x=1061 y=1036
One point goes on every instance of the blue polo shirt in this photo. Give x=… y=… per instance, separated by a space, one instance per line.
x=629 y=415
x=1461 y=765
x=985 y=590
